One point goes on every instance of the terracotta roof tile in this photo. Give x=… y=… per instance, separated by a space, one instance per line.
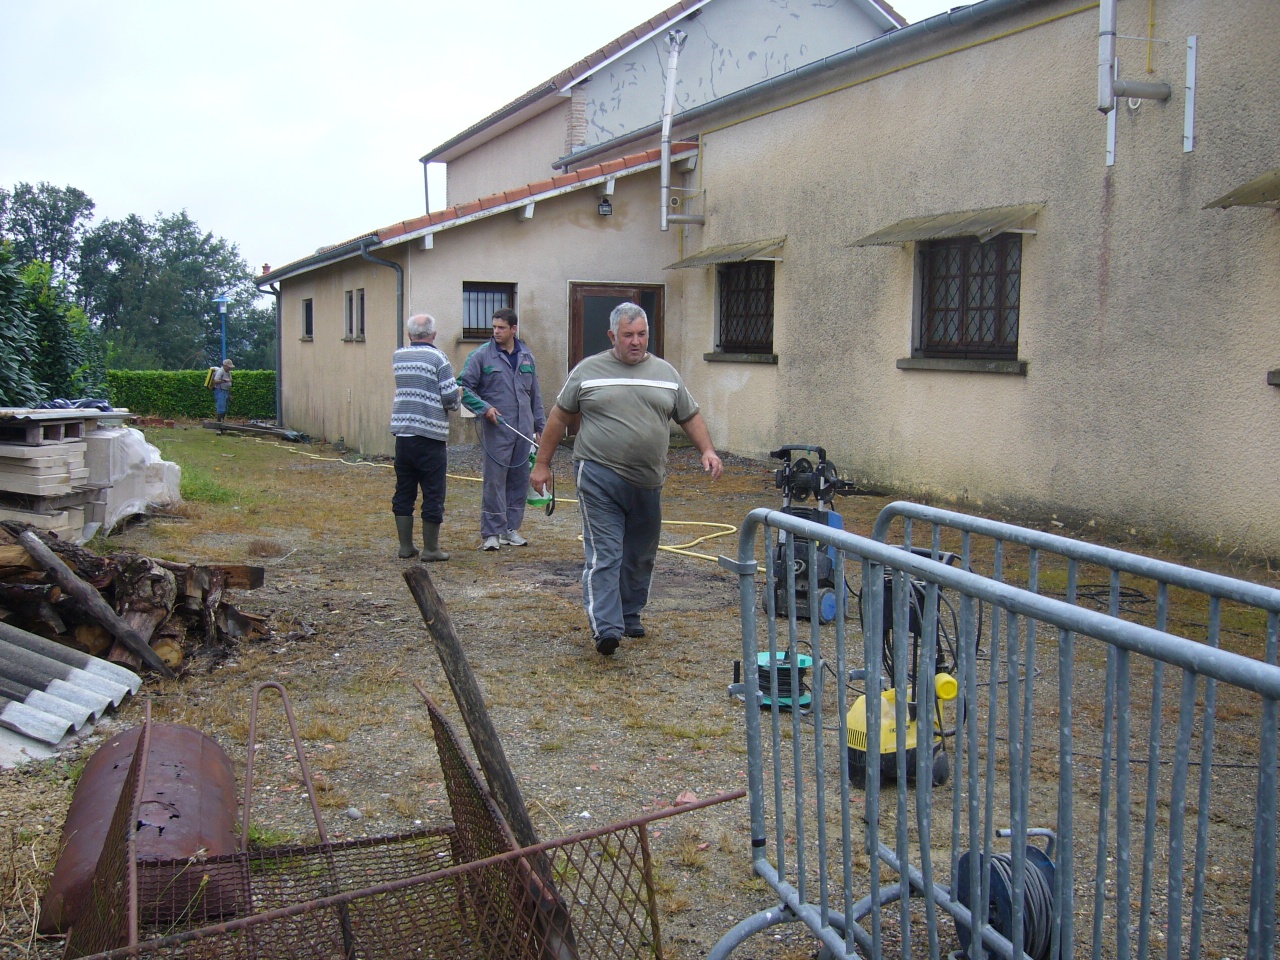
x=533 y=190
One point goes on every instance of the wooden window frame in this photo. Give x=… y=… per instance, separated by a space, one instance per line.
x=970 y=298
x=746 y=307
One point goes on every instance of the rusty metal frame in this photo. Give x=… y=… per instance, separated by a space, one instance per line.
x=436 y=902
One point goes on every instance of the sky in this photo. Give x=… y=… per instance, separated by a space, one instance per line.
x=279 y=125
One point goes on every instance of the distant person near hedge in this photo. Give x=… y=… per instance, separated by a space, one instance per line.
x=222 y=388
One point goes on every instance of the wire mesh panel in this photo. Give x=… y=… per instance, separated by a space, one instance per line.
x=965 y=774
x=421 y=894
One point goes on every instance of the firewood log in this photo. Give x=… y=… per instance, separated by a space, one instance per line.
x=92 y=602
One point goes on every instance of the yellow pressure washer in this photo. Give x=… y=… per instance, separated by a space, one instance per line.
x=945 y=689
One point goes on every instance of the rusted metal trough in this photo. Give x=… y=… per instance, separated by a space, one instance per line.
x=465 y=890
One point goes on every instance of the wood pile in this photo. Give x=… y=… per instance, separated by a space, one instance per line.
x=130 y=609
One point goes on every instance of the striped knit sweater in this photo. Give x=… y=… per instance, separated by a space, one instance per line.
x=425 y=392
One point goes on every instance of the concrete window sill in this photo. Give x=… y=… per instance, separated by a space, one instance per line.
x=307 y=339
x=1017 y=368
x=741 y=358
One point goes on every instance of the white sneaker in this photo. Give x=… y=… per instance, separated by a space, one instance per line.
x=490 y=543
x=512 y=538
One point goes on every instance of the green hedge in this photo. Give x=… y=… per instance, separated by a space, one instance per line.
x=182 y=393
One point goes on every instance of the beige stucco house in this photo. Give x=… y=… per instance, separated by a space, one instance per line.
x=927 y=248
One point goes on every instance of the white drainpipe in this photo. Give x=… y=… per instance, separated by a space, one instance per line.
x=1109 y=85
x=675 y=40
x=1106 y=55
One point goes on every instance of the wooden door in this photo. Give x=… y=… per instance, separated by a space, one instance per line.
x=589 y=308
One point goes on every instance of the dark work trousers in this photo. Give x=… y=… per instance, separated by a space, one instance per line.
x=621 y=527
x=506 y=479
x=420 y=462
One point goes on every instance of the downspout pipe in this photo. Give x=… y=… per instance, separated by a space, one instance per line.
x=943 y=23
x=274 y=290
x=1106 y=55
x=364 y=252
x=1109 y=85
x=675 y=41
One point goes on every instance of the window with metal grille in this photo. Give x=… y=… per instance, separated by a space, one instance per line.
x=479 y=301
x=970 y=297
x=308 y=320
x=746 y=307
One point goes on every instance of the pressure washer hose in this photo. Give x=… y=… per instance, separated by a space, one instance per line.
x=681 y=549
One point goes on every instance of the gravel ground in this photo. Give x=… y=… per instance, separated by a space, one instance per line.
x=591 y=740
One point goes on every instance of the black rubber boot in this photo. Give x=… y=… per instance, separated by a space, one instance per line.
x=431 y=551
x=404 y=527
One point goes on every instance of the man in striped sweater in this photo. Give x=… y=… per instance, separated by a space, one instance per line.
x=425 y=393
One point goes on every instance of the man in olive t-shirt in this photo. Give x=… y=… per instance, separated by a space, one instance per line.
x=626 y=399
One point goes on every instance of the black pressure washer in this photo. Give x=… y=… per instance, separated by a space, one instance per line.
x=800 y=479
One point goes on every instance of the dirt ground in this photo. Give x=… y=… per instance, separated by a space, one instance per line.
x=591 y=740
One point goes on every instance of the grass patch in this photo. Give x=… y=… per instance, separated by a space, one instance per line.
x=197 y=486
x=325 y=730
x=261 y=837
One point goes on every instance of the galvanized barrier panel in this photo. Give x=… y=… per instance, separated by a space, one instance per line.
x=1030 y=846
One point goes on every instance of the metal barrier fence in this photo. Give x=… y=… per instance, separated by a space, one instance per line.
x=1014 y=828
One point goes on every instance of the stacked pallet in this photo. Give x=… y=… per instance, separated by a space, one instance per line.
x=44 y=480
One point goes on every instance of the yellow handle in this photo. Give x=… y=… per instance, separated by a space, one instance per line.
x=945 y=685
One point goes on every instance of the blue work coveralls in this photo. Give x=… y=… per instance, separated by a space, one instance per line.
x=489 y=379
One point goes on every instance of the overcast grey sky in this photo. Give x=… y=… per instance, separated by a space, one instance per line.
x=280 y=126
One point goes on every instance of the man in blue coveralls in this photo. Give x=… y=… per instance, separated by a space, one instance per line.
x=500 y=383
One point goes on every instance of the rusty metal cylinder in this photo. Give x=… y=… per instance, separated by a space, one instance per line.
x=188 y=813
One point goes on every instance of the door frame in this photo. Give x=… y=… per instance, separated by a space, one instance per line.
x=631 y=291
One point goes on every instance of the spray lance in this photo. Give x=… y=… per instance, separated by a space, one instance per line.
x=547 y=496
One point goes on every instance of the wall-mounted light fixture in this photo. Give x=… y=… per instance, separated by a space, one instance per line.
x=605 y=191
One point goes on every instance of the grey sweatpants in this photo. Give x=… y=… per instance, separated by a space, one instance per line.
x=621 y=528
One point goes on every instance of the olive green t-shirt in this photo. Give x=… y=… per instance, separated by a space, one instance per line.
x=627 y=411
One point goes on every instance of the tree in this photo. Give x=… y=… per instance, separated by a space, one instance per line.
x=251 y=338
x=67 y=362
x=146 y=289
x=47 y=346
x=151 y=286
x=48 y=224
x=18 y=388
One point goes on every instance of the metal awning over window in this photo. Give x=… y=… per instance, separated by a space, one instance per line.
x=1263 y=191
x=983 y=224
x=731 y=253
